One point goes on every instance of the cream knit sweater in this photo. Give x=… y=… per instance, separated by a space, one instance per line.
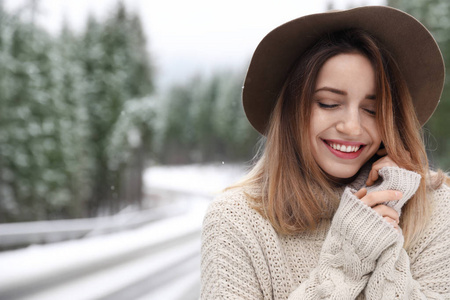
x=356 y=255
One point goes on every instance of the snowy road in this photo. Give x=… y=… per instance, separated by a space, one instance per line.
x=205 y=180
x=156 y=261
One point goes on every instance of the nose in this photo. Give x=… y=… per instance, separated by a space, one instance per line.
x=350 y=124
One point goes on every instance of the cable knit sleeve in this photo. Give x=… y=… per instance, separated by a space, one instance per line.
x=357 y=237
x=361 y=254
x=398 y=179
x=424 y=273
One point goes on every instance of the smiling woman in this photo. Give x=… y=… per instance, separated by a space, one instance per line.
x=344 y=134
x=341 y=204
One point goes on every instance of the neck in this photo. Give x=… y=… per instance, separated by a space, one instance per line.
x=337 y=182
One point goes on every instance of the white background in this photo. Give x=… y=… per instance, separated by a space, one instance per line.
x=187 y=37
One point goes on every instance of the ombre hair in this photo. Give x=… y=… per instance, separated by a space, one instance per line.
x=294 y=193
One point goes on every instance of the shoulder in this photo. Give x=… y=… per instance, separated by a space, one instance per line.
x=438 y=227
x=440 y=198
x=439 y=191
x=233 y=258
x=232 y=214
x=435 y=240
x=233 y=205
x=234 y=199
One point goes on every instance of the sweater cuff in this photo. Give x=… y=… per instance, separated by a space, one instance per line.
x=398 y=179
x=362 y=227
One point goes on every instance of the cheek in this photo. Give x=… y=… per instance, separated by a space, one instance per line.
x=374 y=132
x=316 y=122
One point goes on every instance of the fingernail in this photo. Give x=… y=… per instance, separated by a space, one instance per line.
x=398 y=194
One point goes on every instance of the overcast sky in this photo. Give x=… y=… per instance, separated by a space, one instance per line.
x=191 y=36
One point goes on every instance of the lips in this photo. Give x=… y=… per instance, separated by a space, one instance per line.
x=344 y=149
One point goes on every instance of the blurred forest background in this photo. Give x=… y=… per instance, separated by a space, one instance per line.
x=80 y=118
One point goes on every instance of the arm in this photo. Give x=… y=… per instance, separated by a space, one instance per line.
x=398 y=179
x=356 y=216
x=357 y=237
x=235 y=267
x=429 y=278
x=426 y=275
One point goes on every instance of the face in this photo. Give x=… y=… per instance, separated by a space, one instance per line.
x=343 y=131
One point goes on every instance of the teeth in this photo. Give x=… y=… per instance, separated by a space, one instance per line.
x=344 y=148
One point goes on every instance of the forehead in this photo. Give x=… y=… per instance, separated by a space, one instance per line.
x=352 y=71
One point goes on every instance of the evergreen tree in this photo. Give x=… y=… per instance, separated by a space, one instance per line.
x=74 y=130
x=237 y=138
x=129 y=146
x=35 y=180
x=67 y=147
x=434 y=14
x=176 y=137
x=205 y=96
x=203 y=121
x=116 y=69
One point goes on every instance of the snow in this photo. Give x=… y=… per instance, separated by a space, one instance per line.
x=183 y=289
x=194 y=179
x=39 y=263
x=114 y=261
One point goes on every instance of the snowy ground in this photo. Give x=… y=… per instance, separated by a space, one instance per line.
x=196 y=179
x=122 y=258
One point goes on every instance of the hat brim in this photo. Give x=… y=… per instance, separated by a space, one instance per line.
x=410 y=43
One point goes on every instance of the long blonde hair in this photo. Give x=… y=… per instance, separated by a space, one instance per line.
x=295 y=192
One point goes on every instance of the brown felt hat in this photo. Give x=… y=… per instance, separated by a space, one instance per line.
x=409 y=42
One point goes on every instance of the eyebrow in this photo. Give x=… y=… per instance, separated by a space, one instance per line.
x=340 y=92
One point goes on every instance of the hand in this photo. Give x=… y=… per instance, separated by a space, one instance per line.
x=374 y=201
x=385 y=161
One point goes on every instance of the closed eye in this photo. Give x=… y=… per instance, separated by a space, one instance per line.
x=323 y=105
x=370 y=111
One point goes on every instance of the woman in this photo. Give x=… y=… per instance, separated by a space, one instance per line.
x=341 y=204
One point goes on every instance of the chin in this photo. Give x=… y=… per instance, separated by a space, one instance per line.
x=342 y=177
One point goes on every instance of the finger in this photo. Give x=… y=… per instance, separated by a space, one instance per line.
x=361 y=193
x=379 y=197
x=377 y=166
x=384 y=161
x=373 y=176
x=369 y=180
x=391 y=221
x=386 y=211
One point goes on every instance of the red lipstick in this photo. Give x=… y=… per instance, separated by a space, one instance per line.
x=344 y=155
